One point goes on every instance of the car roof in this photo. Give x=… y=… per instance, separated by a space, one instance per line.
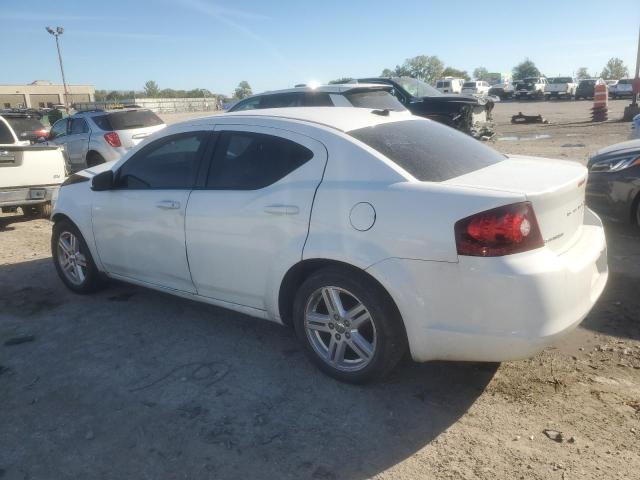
x=343 y=119
x=334 y=88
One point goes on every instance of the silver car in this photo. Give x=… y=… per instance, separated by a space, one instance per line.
x=97 y=136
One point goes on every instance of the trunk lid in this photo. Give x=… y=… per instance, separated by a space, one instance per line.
x=27 y=166
x=555 y=188
x=131 y=137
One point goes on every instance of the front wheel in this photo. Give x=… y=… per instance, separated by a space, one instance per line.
x=349 y=325
x=73 y=260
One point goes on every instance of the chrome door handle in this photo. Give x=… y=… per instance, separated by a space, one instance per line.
x=282 y=209
x=168 y=205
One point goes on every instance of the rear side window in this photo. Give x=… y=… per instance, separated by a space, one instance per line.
x=78 y=125
x=127 y=120
x=168 y=163
x=317 y=99
x=378 y=99
x=282 y=100
x=250 y=161
x=429 y=151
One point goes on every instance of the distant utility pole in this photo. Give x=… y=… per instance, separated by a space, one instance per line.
x=56 y=33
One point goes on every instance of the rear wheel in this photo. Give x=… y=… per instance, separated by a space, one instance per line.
x=73 y=259
x=41 y=210
x=349 y=326
x=94 y=158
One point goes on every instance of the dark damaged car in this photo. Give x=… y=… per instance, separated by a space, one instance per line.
x=466 y=113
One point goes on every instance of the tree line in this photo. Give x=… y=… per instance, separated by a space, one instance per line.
x=152 y=90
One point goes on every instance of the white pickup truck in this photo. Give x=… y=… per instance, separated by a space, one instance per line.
x=561 y=87
x=30 y=174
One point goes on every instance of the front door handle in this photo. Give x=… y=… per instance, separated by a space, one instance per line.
x=168 y=205
x=282 y=209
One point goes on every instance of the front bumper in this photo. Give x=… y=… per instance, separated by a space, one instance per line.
x=612 y=194
x=15 y=197
x=497 y=309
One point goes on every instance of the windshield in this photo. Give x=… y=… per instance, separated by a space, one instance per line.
x=26 y=128
x=416 y=88
x=429 y=151
x=561 y=80
x=469 y=85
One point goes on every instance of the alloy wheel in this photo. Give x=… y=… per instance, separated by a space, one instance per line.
x=71 y=260
x=340 y=329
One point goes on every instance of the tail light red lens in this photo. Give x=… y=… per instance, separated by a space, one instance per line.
x=501 y=231
x=113 y=139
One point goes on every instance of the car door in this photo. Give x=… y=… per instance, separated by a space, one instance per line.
x=77 y=141
x=139 y=224
x=249 y=221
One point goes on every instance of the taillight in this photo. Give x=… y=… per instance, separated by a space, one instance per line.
x=113 y=139
x=500 y=231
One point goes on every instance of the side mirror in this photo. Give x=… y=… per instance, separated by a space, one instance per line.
x=103 y=181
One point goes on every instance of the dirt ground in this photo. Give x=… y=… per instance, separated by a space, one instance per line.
x=134 y=384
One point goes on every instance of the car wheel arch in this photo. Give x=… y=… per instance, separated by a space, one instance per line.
x=297 y=274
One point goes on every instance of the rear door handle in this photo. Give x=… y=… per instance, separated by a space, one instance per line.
x=282 y=209
x=168 y=205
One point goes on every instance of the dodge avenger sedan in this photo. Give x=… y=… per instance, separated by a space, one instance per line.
x=369 y=231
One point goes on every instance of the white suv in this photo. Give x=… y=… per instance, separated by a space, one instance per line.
x=476 y=88
x=99 y=136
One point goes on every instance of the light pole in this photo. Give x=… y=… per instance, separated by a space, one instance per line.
x=56 y=33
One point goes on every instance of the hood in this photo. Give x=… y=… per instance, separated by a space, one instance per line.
x=630 y=146
x=451 y=98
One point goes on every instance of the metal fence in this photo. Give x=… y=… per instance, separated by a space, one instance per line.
x=159 y=105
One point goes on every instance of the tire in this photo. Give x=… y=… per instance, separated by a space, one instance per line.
x=357 y=348
x=94 y=158
x=41 y=210
x=80 y=274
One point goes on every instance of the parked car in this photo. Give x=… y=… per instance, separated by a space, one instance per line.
x=502 y=90
x=624 y=88
x=450 y=85
x=613 y=189
x=29 y=174
x=586 y=88
x=561 y=87
x=635 y=127
x=27 y=126
x=475 y=88
x=98 y=136
x=467 y=113
x=612 y=85
x=346 y=95
x=532 y=87
x=293 y=215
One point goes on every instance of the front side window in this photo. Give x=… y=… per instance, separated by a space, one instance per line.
x=250 y=161
x=427 y=150
x=250 y=104
x=168 y=163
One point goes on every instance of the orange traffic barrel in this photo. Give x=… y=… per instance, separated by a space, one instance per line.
x=600 y=96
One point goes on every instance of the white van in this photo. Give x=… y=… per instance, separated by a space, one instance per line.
x=450 y=85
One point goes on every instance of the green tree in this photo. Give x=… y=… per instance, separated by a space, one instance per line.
x=615 y=69
x=481 y=73
x=525 y=69
x=151 y=89
x=424 y=67
x=243 y=90
x=454 y=72
x=342 y=80
x=582 y=73
x=387 y=73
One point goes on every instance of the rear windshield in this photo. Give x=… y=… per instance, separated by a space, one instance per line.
x=561 y=80
x=127 y=120
x=429 y=151
x=379 y=99
x=443 y=84
x=625 y=81
x=25 y=127
x=586 y=83
x=469 y=84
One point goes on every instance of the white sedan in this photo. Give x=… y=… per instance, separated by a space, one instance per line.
x=369 y=231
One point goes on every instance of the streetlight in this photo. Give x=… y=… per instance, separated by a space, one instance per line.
x=56 y=33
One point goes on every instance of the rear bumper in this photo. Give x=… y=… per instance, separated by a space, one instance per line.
x=15 y=197
x=497 y=309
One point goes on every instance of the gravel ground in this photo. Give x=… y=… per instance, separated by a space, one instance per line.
x=131 y=383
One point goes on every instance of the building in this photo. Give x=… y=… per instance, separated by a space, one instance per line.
x=42 y=93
